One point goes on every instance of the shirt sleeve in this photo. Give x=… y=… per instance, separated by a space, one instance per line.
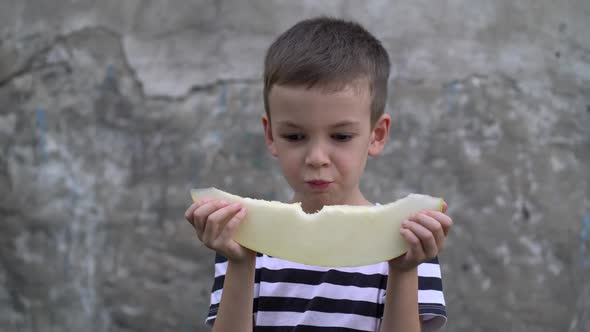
x=431 y=300
x=217 y=288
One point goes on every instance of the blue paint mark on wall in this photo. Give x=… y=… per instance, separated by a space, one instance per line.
x=42 y=125
x=222 y=102
x=584 y=233
x=451 y=93
x=110 y=81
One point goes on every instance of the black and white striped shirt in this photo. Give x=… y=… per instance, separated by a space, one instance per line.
x=296 y=297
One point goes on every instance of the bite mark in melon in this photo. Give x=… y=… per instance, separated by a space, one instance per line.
x=335 y=236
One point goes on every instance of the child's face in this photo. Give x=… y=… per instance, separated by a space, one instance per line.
x=322 y=141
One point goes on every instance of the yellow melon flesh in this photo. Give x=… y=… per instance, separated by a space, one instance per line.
x=335 y=236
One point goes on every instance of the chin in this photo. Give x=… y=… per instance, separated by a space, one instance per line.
x=325 y=198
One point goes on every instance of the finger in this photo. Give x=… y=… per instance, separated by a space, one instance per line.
x=217 y=220
x=425 y=236
x=202 y=213
x=230 y=227
x=445 y=207
x=433 y=225
x=204 y=201
x=189 y=213
x=445 y=221
x=415 y=251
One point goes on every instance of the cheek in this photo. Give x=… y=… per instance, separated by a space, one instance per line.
x=289 y=160
x=353 y=163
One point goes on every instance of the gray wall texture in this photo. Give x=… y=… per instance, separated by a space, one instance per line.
x=110 y=111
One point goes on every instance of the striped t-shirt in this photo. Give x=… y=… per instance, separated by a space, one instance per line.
x=296 y=297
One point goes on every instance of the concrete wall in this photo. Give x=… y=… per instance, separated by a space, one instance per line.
x=110 y=111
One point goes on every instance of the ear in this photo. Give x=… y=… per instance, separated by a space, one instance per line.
x=379 y=135
x=270 y=143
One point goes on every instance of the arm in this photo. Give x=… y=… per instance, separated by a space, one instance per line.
x=401 y=301
x=235 y=309
x=425 y=234
x=216 y=223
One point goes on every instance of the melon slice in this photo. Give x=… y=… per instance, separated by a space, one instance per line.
x=335 y=236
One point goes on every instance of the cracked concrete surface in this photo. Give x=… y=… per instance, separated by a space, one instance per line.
x=112 y=111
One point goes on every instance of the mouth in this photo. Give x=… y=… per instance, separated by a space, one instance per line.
x=318 y=184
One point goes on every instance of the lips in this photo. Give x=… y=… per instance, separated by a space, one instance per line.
x=318 y=184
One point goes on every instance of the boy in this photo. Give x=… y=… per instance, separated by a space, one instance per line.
x=325 y=87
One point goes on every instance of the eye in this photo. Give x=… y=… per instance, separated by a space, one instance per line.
x=293 y=137
x=342 y=137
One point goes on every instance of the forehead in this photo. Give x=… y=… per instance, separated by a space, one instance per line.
x=319 y=106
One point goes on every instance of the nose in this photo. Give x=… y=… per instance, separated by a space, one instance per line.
x=317 y=155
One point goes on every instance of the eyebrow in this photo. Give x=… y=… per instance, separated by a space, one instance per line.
x=336 y=125
x=345 y=123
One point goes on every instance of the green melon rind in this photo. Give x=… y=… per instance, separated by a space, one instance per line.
x=336 y=236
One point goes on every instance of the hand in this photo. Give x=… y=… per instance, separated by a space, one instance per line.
x=216 y=222
x=425 y=234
